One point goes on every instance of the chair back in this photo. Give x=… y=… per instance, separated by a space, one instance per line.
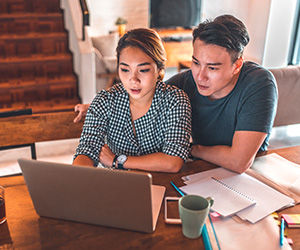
x=28 y=129
x=13 y=113
x=288 y=83
x=16 y=113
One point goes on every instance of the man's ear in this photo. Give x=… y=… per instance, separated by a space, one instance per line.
x=238 y=65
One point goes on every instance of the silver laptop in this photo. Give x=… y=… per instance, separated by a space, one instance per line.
x=113 y=198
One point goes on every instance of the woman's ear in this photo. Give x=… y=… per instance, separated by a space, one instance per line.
x=161 y=74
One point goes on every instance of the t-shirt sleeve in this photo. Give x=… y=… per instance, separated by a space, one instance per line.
x=258 y=108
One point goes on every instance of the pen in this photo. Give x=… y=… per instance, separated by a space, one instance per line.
x=177 y=189
x=215 y=234
x=206 y=240
x=205 y=236
x=281 y=232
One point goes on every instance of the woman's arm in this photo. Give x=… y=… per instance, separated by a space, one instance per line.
x=158 y=162
x=83 y=160
x=93 y=131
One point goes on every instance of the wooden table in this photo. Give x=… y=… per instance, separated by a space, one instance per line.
x=24 y=229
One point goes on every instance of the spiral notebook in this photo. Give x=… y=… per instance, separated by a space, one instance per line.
x=227 y=200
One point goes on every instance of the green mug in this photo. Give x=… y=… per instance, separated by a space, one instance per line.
x=193 y=211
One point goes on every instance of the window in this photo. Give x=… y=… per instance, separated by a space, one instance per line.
x=294 y=54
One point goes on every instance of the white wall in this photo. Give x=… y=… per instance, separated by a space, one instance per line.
x=253 y=13
x=269 y=23
x=105 y=13
x=83 y=58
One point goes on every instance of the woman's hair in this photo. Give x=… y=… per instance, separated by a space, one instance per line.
x=149 y=42
x=225 y=31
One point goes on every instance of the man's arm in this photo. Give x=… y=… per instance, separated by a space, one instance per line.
x=238 y=157
x=82 y=110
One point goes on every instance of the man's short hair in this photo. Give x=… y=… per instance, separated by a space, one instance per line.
x=225 y=31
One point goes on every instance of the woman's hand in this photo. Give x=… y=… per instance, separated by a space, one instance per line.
x=106 y=156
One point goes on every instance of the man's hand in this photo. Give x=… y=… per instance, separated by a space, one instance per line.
x=82 y=109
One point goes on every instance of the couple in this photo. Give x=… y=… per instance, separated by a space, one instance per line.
x=143 y=123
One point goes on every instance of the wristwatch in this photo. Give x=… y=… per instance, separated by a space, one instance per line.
x=121 y=160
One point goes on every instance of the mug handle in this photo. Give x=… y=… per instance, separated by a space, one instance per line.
x=210 y=201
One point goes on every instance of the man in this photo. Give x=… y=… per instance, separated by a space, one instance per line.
x=233 y=102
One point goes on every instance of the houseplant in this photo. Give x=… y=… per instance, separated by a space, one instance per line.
x=121 y=23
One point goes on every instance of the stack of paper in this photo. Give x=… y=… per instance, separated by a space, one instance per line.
x=267 y=199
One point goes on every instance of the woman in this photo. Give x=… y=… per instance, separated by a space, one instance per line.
x=140 y=123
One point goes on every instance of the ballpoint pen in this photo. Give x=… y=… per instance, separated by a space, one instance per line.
x=205 y=236
x=281 y=232
x=178 y=189
x=214 y=231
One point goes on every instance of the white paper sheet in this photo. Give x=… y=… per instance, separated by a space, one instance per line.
x=279 y=170
x=237 y=234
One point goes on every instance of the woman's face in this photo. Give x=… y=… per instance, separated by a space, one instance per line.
x=139 y=73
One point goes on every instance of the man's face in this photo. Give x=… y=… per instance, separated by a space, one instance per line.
x=213 y=71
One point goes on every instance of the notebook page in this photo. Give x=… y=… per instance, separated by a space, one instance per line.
x=226 y=200
x=268 y=199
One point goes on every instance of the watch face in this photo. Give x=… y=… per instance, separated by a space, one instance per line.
x=122 y=158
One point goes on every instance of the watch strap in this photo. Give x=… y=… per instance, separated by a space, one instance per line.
x=114 y=162
x=120 y=166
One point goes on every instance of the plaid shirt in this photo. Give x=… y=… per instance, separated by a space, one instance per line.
x=166 y=127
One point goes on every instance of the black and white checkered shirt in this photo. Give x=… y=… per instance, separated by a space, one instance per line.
x=166 y=127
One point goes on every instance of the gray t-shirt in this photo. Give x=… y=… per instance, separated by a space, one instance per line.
x=250 y=106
